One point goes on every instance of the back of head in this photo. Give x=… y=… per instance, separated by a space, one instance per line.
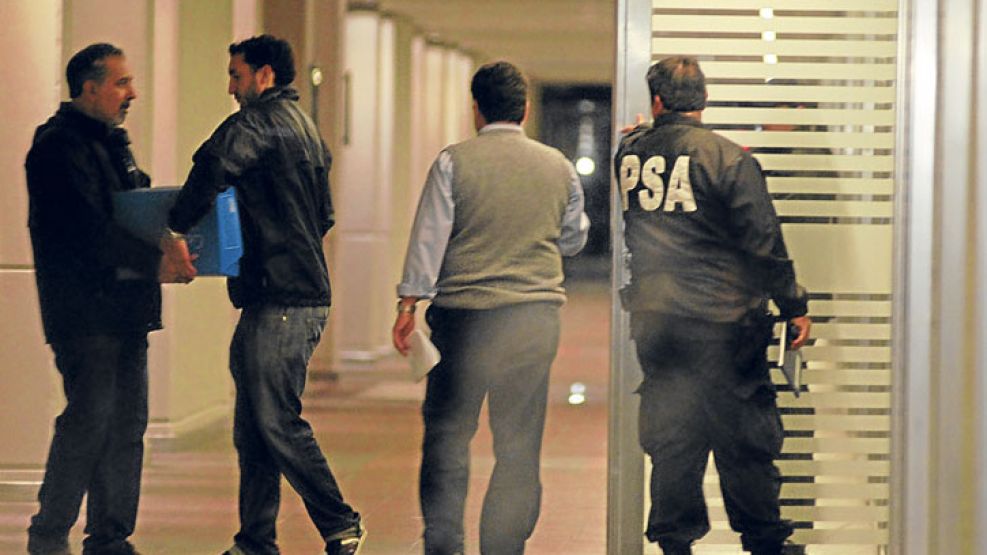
x=264 y=50
x=500 y=92
x=88 y=65
x=679 y=83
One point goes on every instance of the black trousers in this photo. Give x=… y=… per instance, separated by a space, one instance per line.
x=504 y=355
x=269 y=358
x=697 y=398
x=97 y=448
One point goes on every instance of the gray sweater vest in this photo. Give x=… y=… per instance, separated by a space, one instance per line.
x=510 y=194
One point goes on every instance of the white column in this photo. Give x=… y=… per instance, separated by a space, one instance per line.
x=383 y=299
x=361 y=238
x=458 y=119
x=434 y=101
x=245 y=20
x=979 y=138
x=190 y=387
x=419 y=154
x=30 y=46
x=465 y=68
x=405 y=180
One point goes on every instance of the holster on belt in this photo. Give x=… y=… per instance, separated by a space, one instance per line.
x=754 y=333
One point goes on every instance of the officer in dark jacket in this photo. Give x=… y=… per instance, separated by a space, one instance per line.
x=99 y=294
x=706 y=254
x=273 y=154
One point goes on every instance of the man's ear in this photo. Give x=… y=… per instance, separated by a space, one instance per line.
x=265 y=76
x=657 y=107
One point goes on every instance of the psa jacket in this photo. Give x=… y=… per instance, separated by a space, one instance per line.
x=272 y=153
x=703 y=235
x=93 y=276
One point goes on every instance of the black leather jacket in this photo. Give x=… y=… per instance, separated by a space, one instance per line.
x=273 y=154
x=703 y=235
x=93 y=276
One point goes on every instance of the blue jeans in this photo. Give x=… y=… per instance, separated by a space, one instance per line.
x=269 y=359
x=503 y=355
x=98 y=444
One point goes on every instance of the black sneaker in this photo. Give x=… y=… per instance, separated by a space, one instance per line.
x=347 y=542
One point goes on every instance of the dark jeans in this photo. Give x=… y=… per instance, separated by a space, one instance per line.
x=697 y=397
x=269 y=359
x=505 y=353
x=98 y=444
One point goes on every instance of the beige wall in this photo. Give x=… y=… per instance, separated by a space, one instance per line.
x=177 y=52
x=403 y=91
x=128 y=26
x=29 y=387
x=32 y=46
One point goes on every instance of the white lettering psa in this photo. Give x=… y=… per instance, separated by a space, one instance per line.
x=650 y=198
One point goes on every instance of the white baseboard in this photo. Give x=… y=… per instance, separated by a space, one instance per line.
x=174 y=429
x=20 y=484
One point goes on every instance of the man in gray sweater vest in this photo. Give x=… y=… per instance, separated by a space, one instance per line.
x=496 y=215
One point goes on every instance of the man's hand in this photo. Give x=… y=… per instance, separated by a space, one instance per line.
x=404 y=324
x=632 y=126
x=803 y=323
x=176 y=262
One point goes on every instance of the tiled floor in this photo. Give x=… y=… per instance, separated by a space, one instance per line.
x=370 y=430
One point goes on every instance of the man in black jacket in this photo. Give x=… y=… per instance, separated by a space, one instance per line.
x=706 y=255
x=99 y=295
x=273 y=154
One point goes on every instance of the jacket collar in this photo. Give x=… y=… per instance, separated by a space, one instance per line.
x=73 y=117
x=675 y=118
x=277 y=93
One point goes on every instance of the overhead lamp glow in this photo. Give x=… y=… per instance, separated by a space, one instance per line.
x=767 y=13
x=771 y=58
x=769 y=35
x=585 y=165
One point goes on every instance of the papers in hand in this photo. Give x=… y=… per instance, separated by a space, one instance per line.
x=790 y=360
x=422 y=356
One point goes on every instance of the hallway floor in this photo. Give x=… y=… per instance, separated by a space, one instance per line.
x=370 y=430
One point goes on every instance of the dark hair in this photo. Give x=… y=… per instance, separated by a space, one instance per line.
x=265 y=50
x=500 y=92
x=87 y=65
x=679 y=83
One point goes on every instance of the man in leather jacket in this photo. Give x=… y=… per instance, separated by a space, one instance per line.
x=272 y=153
x=706 y=254
x=99 y=296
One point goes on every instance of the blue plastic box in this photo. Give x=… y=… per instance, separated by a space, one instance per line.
x=216 y=238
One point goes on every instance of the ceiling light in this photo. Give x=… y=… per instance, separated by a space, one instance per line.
x=585 y=165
